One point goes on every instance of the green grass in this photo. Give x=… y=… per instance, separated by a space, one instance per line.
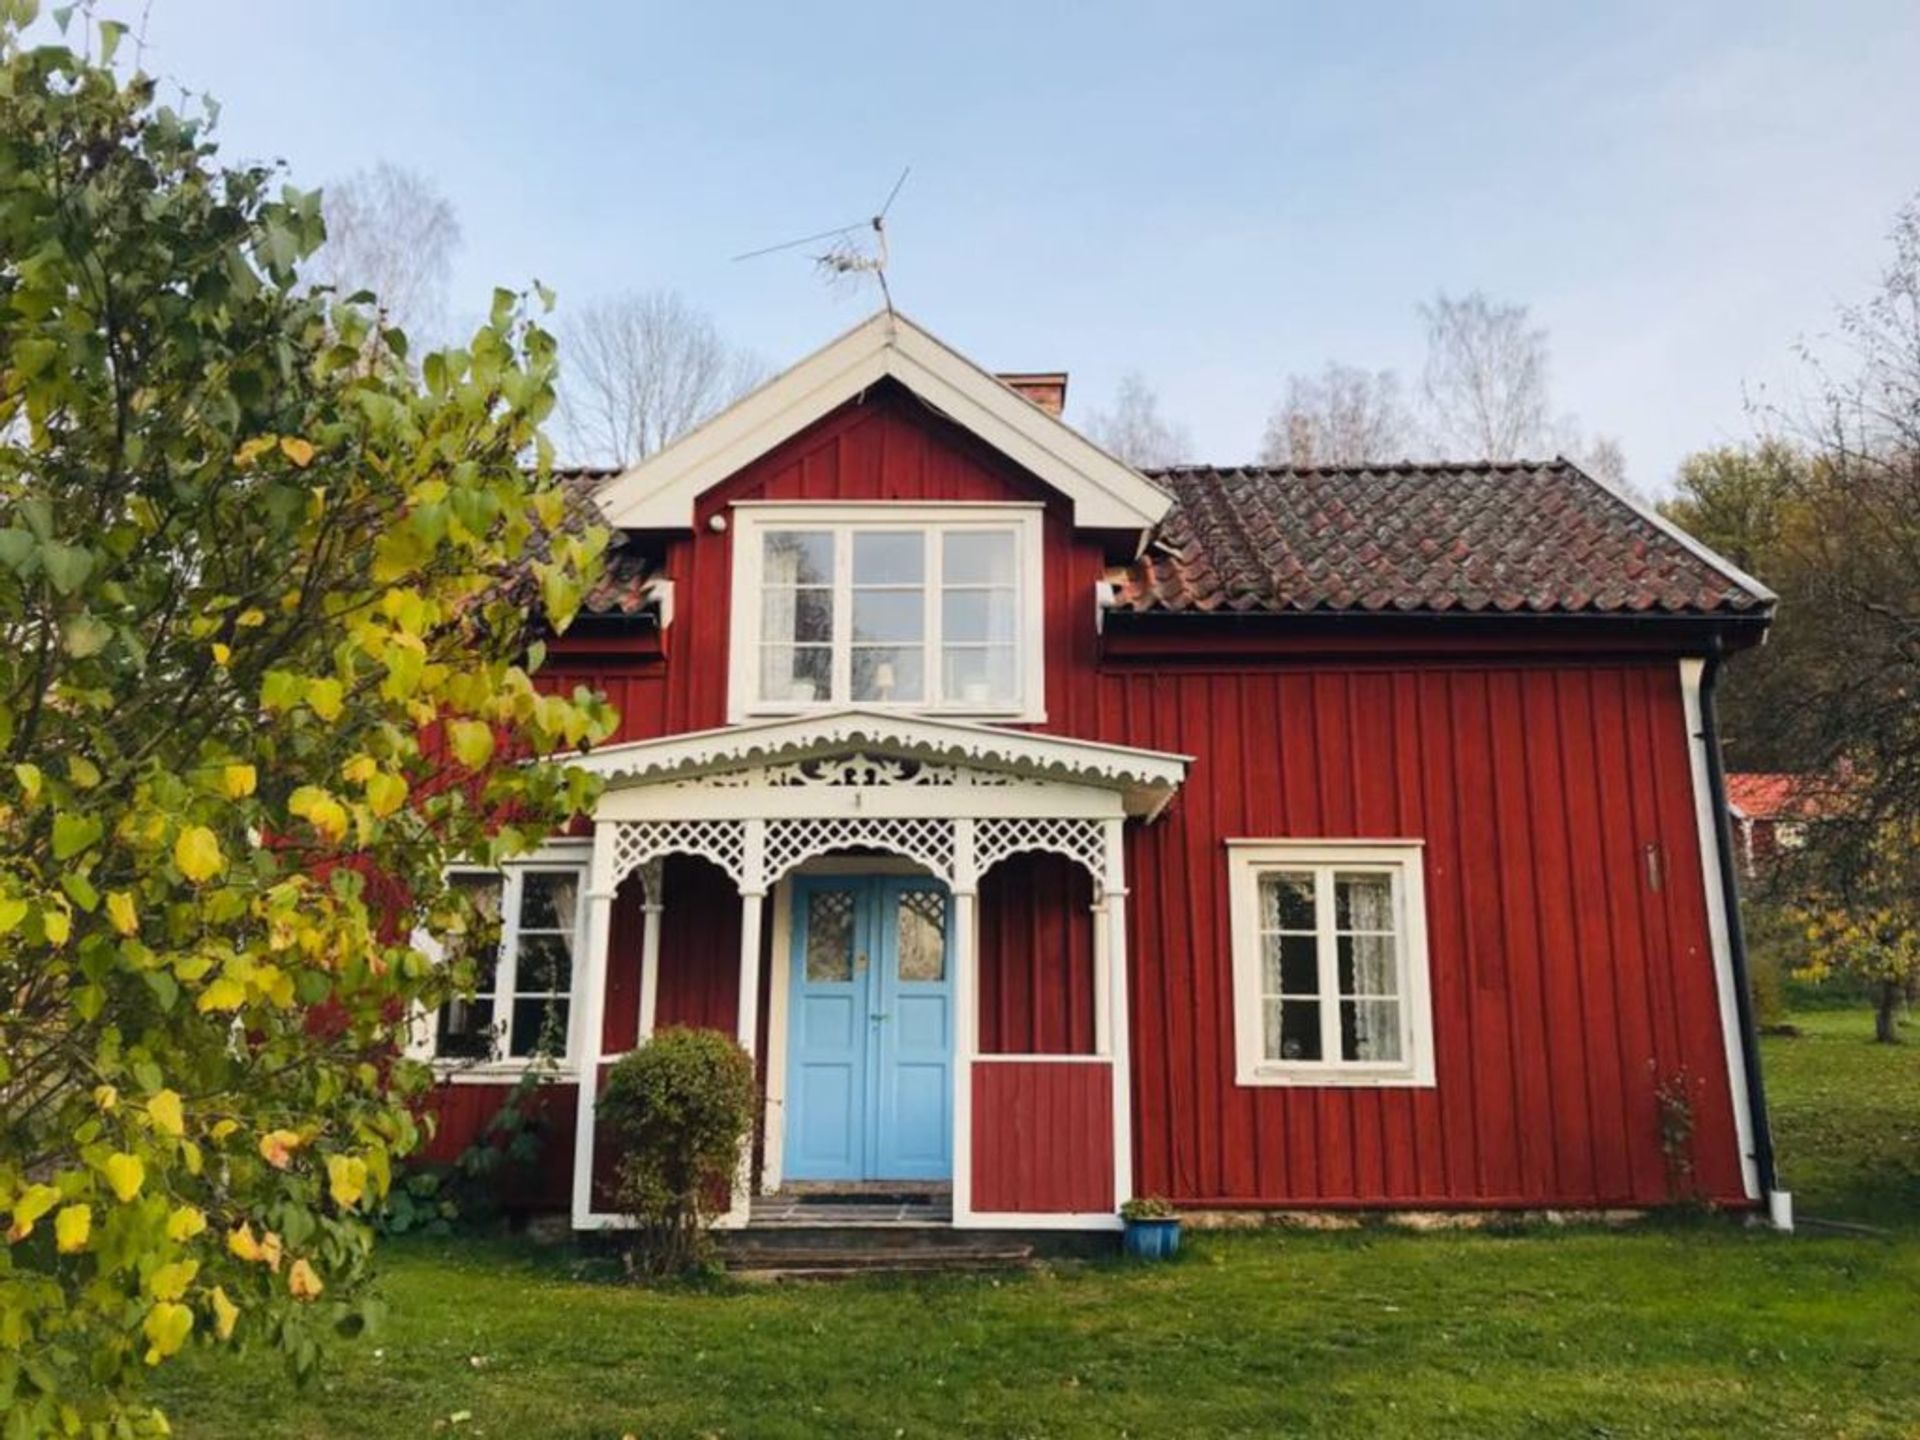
x=1672 y=1329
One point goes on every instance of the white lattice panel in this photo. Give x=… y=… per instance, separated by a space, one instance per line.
x=927 y=839
x=639 y=842
x=1082 y=841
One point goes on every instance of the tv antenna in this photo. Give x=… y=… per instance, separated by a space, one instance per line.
x=848 y=257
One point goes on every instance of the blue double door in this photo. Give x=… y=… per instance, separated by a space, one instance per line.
x=870 y=1030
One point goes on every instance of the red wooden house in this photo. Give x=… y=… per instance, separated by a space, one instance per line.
x=1054 y=833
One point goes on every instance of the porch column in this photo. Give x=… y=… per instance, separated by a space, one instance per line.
x=653 y=903
x=589 y=1045
x=753 y=896
x=966 y=1014
x=1120 y=1032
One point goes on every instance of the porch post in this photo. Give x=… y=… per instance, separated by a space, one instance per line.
x=753 y=895
x=1102 y=976
x=589 y=1046
x=1120 y=1033
x=966 y=1014
x=654 y=902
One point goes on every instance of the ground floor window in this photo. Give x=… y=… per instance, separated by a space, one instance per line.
x=522 y=1002
x=1330 y=963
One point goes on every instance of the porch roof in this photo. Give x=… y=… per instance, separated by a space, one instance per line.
x=1145 y=780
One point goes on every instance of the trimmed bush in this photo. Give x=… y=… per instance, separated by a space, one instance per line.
x=679 y=1108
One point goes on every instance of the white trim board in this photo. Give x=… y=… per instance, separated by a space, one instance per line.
x=659 y=492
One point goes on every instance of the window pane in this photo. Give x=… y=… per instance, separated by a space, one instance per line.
x=888 y=672
x=544 y=965
x=978 y=615
x=889 y=615
x=466 y=1029
x=1292 y=1029
x=547 y=900
x=1362 y=902
x=979 y=674
x=480 y=946
x=798 y=557
x=1368 y=965
x=539 y=1027
x=922 y=935
x=1293 y=965
x=1370 y=1030
x=805 y=615
x=889 y=557
x=978 y=557
x=796 y=672
x=829 y=954
x=1286 y=901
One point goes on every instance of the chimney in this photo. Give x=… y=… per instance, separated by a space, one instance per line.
x=1045 y=388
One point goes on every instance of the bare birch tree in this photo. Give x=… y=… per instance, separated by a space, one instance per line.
x=390 y=231
x=1486 y=384
x=1133 y=430
x=638 y=370
x=1343 y=416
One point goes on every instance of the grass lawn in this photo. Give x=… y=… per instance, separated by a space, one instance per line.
x=1678 y=1328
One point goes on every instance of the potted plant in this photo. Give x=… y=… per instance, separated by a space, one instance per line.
x=1152 y=1228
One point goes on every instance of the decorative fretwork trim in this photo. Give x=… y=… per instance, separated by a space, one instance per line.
x=1082 y=841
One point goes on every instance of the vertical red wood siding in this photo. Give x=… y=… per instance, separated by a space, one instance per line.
x=461 y=1114
x=1043 y=1137
x=1571 y=969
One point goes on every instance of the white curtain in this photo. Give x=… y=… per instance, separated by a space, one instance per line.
x=779 y=614
x=1369 y=904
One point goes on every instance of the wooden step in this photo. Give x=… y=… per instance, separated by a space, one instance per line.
x=794 y=1262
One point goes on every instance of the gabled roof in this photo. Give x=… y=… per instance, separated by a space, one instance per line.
x=658 y=493
x=1480 y=538
x=1145 y=779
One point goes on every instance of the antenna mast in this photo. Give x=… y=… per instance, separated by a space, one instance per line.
x=846 y=257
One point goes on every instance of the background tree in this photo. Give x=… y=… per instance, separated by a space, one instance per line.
x=641 y=369
x=1486 y=379
x=1133 y=429
x=390 y=231
x=267 y=603
x=1343 y=416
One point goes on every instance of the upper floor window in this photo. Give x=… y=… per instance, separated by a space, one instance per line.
x=1330 y=963
x=932 y=607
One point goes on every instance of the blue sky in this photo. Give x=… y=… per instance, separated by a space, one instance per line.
x=1213 y=194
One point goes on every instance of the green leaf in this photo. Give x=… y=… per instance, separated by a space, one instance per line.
x=86 y=635
x=67 y=566
x=80 y=890
x=18 y=549
x=73 y=833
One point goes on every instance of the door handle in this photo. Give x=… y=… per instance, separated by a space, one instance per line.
x=878 y=1016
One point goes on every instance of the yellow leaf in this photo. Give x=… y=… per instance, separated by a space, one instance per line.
x=299 y=451
x=185 y=1223
x=347 y=1179
x=167 y=1326
x=303 y=1283
x=277 y=1147
x=222 y=654
x=225 y=993
x=223 y=1128
x=241 y=1244
x=85 y=773
x=29 y=778
x=190 y=1153
x=125 y=1175
x=34 y=1201
x=105 y=1096
x=472 y=742
x=72 y=1227
x=251 y=619
x=12 y=912
x=385 y=794
x=225 y=1312
x=170 y=1281
x=58 y=924
x=270 y=1250
x=325 y=697
x=254 y=449
x=359 y=769
x=197 y=853
x=237 y=781
x=164 y=1110
x=121 y=913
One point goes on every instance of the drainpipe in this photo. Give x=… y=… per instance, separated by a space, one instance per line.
x=1779 y=1204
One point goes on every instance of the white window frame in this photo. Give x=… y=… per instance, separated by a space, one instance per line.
x=752 y=519
x=1248 y=861
x=572 y=859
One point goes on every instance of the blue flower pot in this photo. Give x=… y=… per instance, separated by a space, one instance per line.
x=1152 y=1239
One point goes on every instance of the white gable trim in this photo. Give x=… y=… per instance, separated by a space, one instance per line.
x=1143 y=780
x=659 y=492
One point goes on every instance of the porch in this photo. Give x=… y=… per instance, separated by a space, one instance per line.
x=819 y=886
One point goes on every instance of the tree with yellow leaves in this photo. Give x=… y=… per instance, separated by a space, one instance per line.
x=271 y=590
x=1860 y=912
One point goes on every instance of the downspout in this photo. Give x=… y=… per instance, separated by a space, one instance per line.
x=1736 y=932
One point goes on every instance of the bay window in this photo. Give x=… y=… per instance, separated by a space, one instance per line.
x=923 y=607
x=1330 y=963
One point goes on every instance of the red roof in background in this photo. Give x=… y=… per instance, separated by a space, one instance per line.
x=1764 y=795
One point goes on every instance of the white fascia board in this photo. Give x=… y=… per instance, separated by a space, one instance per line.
x=1759 y=589
x=659 y=492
